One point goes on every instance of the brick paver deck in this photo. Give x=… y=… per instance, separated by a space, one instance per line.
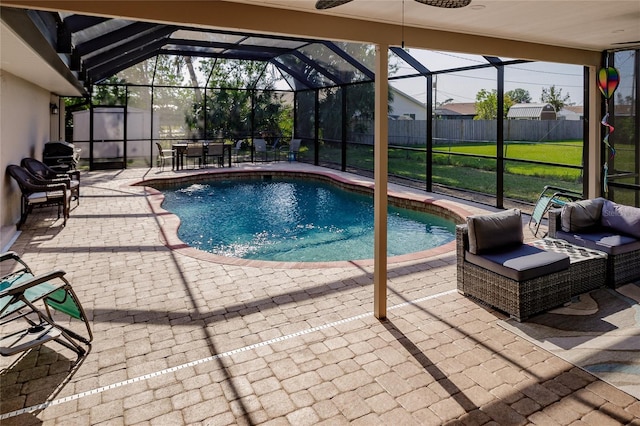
x=182 y=340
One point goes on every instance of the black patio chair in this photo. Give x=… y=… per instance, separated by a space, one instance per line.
x=36 y=193
x=46 y=173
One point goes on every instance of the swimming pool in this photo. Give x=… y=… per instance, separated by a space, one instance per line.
x=294 y=220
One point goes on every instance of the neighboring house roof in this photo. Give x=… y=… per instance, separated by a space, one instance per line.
x=571 y=112
x=406 y=107
x=461 y=108
x=531 y=111
x=578 y=109
x=624 y=110
x=407 y=97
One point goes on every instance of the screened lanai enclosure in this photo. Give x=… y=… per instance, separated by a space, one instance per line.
x=154 y=85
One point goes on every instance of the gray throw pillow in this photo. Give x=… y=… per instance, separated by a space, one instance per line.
x=494 y=230
x=581 y=215
x=621 y=218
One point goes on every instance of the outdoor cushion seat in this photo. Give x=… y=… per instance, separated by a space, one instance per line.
x=520 y=263
x=602 y=225
x=603 y=240
x=495 y=267
x=37 y=197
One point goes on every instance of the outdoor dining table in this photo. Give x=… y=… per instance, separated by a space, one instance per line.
x=180 y=149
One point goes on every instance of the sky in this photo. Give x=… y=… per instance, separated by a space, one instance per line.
x=463 y=86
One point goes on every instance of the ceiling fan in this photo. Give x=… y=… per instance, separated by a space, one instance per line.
x=448 y=4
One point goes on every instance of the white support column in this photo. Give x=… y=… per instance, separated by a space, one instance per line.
x=380 y=193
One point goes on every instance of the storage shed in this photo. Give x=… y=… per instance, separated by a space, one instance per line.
x=532 y=112
x=109 y=135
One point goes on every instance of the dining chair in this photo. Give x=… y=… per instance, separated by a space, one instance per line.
x=292 y=150
x=195 y=152
x=215 y=151
x=164 y=155
x=260 y=148
x=236 y=150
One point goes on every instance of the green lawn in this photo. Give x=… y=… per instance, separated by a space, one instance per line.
x=523 y=181
x=565 y=152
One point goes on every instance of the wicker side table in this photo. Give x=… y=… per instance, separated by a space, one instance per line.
x=587 y=269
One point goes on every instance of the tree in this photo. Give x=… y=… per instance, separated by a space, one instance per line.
x=112 y=92
x=487 y=105
x=519 y=96
x=240 y=99
x=554 y=97
x=443 y=103
x=360 y=98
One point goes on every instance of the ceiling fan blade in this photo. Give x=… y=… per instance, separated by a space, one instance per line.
x=448 y=4
x=328 y=4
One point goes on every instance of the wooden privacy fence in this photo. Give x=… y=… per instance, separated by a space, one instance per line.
x=414 y=132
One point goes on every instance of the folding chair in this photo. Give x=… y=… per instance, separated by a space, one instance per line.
x=23 y=297
x=551 y=196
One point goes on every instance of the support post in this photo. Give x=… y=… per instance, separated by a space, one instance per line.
x=381 y=179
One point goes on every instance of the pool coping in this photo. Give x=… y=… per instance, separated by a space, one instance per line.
x=169 y=222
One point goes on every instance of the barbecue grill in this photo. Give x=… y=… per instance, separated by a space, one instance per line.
x=61 y=155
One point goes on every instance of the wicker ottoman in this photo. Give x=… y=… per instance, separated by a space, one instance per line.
x=588 y=267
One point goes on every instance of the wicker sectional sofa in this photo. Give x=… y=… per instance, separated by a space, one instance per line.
x=602 y=225
x=495 y=267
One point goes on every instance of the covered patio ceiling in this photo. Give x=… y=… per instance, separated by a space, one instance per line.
x=97 y=48
x=95 y=40
x=579 y=24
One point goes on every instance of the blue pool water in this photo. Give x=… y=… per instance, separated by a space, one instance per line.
x=294 y=221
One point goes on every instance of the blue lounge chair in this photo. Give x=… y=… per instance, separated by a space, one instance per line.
x=551 y=196
x=32 y=299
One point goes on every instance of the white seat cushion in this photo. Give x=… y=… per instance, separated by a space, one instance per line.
x=37 y=197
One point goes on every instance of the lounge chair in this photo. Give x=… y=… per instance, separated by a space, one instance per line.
x=551 y=196
x=27 y=304
x=36 y=193
x=46 y=173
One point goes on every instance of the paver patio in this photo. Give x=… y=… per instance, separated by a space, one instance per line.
x=182 y=340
